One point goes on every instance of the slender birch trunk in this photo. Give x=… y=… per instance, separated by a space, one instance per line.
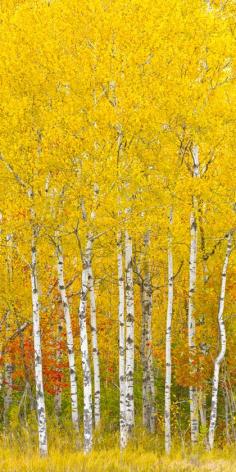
x=57 y=397
x=202 y=400
x=40 y=402
x=8 y=365
x=7 y=392
x=168 y=344
x=129 y=388
x=93 y=315
x=121 y=286
x=148 y=388
x=69 y=339
x=93 y=323
x=193 y=392
x=221 y=355
x=88 y=415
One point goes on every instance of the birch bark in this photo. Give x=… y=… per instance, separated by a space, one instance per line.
x=129 y=388
x=69 y=339
x=87 y=384
x=123 y=430
x=58 y=396
x=168 y=343
x=193 y=393
x=93 y=323
x=8 y=365
x=221 y=355
x=40 y=401
x=148 y=388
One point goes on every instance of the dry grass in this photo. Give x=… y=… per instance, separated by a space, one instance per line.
x=108 y=461
x=18 y=453
x=15 y=460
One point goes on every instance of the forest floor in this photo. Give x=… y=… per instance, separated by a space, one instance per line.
x=109 y=461
x=19 y=453
x=14 y=460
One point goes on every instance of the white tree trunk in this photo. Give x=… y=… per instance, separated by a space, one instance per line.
x=193 y=393
x=88 y=415
x=148 y=389
x=7 y=392
x=221 y=355
x=58 y=394
x=69 y=338
x=168 y=345
x=129 y=389
x=8 y=365
x=40 y=402
x=121 y=286
x=93 y=323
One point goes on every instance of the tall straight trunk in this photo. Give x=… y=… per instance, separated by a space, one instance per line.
x=40 y=402
x=129 y=388
x=193 y=392
x=93 y=323
x=87 y=384
x=121 y=286
x=58 y=394
x=221 y=355
x=7 y=392
x=69 y=339
x=168 y=344
x=148 y=388
x=202 y=400
x=8 y=365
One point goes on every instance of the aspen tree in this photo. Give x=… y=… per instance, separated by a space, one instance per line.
x=122 y=373
x=93 y=324
x=69 y=337
x=87 y=381
x=129 y=387
x=221 y=355
x=193 y=393
x=95 y=352
x=8 y=365
x=168 y=341
x=148 y=389
x=40 y=401
x=58 y=394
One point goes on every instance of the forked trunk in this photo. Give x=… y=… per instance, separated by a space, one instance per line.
x=221 y=355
